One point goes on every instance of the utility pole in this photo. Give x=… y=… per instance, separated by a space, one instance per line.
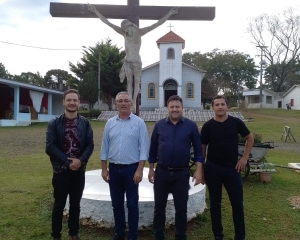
x=99 y=67
x=262 y=62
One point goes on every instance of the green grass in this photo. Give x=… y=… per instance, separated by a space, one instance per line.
x=26 y=191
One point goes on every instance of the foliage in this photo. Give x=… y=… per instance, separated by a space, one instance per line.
x=3 y=72
x=94 y=113
x=88 y=88
x=256 y=136
x=292 y=77
x=278 y=35
x=57 y=78
x=110 y=64
x=228 y=72
x=267 y=167
x=31 y=78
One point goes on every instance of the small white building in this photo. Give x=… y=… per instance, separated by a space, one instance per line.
x=252 y=98
x=292 y=97
x=21 y=103
x=170 y=76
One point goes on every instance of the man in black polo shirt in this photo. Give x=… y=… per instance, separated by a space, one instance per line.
x=171 y=142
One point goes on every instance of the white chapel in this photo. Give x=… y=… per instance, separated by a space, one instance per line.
x=170 y=76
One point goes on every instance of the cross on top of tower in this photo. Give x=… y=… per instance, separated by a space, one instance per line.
x=170 y=27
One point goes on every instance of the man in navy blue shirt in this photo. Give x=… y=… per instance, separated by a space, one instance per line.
x=170 y=146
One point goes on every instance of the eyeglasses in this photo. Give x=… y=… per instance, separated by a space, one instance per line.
x=125 y=101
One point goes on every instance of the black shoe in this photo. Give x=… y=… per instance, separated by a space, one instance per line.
x=74 y=237
x=117 y=237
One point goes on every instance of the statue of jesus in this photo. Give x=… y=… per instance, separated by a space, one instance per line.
x=132 y=65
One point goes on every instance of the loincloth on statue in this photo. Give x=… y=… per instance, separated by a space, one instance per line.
x=128 y=68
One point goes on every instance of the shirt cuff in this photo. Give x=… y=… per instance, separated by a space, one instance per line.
x=198 y=159
x=152 y=160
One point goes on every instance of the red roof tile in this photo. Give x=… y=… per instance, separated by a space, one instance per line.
x=171 y=37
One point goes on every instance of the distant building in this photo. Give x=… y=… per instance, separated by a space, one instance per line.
x=272 y=99
x=170 y=76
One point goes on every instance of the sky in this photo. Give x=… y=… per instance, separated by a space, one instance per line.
x=28 y=22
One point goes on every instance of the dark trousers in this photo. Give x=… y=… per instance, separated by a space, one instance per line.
x=121 y=183
x=67 y=183
x=177 y=183
x=215 y=176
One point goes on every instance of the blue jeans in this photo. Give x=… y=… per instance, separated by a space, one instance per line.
x=215 y=176
x=121 y=183
x=177 y=183
x=67 y=183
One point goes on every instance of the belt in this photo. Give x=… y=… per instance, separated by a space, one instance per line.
x=122 y=165
x=171 y=169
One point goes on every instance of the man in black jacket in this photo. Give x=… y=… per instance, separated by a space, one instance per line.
x=69 y=144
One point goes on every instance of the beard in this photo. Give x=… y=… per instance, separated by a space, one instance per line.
x=71 y=110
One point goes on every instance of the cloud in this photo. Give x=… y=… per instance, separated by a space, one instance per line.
x=11 y=12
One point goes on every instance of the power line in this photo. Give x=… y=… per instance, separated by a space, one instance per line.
x=55 y=49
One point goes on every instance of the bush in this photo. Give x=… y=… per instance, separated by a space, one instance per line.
x=257 y=138
x=207 y=107
x=94 y=113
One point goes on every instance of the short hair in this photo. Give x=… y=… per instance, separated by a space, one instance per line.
x=70 y=91
x=125 y=93
x=174 y=98
x=219 y=97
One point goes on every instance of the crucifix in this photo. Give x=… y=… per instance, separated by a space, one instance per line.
x=132 y=12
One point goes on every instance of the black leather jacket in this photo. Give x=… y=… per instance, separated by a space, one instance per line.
x=55 y=143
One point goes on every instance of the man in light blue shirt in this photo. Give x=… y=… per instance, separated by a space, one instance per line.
x=125 y=144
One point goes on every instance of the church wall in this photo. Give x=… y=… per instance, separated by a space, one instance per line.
x=170 y=68
x=149 y=76
x=190 y=75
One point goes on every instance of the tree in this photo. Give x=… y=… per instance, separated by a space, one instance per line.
x=31 y=78
x=110 y=62
x=227 y=72
x=88 y=88
x=3 y=71
x=278 y=38
x=292 y=78
x=57 y=78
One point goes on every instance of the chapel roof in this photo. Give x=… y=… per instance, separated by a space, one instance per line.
x=171 y=37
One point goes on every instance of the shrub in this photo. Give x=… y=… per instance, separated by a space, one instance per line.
x=94 y=113
x=257 y=138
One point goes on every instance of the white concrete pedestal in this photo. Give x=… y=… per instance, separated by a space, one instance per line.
x=96 y=203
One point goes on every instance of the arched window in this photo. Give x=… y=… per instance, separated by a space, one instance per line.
x=190 y=90
x=170 y=53
x=151 y=90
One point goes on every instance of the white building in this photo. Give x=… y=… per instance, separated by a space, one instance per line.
x=170 y=76
x=272 y=99
x=21 y=103
x=292 y=97
x=252 y=98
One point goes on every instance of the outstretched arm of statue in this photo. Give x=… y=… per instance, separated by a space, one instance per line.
x=92 y=9
x=145 y=30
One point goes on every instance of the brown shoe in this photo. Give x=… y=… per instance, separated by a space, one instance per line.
x=74 y=237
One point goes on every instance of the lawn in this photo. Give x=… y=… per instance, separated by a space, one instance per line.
x=26 y=191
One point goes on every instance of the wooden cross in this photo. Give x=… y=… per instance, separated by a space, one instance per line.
x=132 y=11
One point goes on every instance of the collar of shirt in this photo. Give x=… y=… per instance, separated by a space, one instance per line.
x=118 y=118
x=180 y=120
